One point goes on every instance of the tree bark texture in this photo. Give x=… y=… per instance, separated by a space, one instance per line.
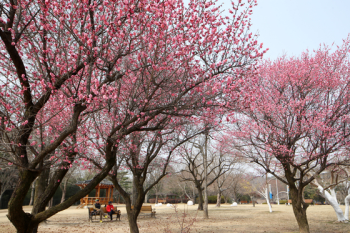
x=20 y=219
x=31 y=202
x=200 y=197
x=39 y=204
x=64 y=190
x=133 y=223
x=40 y=186
x=134 y=190
x=218 y=199
x=299 y=208
x=146 y=198
x=134 y=212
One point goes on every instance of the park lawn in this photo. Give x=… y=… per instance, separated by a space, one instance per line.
x=242 y=218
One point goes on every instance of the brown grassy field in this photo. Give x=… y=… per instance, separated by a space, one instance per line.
x=243 y=218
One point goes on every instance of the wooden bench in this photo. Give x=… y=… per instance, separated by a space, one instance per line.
x=116 y=212
x=92 y=213
x=146 y=209
x=162 y=201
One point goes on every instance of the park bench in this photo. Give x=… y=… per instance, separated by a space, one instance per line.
x=116 y=212
x=92 y=213
x=161 y=201
x=147 y=209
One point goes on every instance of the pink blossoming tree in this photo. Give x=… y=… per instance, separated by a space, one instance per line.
x=76 y=74
x=294 y=119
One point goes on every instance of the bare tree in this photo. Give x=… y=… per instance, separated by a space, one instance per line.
x=188 y=188
x=218 y=163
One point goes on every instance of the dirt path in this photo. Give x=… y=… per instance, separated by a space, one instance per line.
x=243 y=218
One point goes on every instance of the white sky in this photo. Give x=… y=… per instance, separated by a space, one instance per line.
x=292 y=26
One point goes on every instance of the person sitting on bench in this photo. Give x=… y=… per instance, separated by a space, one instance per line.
x=97 y=209
x=110 y=209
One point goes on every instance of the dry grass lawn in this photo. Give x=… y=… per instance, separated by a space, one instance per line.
x=243 y=218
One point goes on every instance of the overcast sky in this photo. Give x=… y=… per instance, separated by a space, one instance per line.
x=292 y=26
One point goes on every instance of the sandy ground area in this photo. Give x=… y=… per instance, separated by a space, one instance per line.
x=243 y=218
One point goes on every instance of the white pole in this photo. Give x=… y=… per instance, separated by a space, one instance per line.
x=288 y=194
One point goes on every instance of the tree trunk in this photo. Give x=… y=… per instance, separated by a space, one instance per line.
x=20 y=219
x=300 y=215
x=133 y=223
x=50 y=203
x=218 y=199
x=38 y=205
x=146 y=198
x=225 y=199
x=235 y=197
x=332 y=200
x=205 y=164
x=200 y=198
x=35 y=227
x=268 y=199
x=139 y=199
x=347 y=200
x=134 y=190
x=134 y=213
x=32 y=194
x=40 y=186
x=193 y=195
x=299 y=209
x=267 y=195
x=64 y=190
x=253 y=201
x=28 y=226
